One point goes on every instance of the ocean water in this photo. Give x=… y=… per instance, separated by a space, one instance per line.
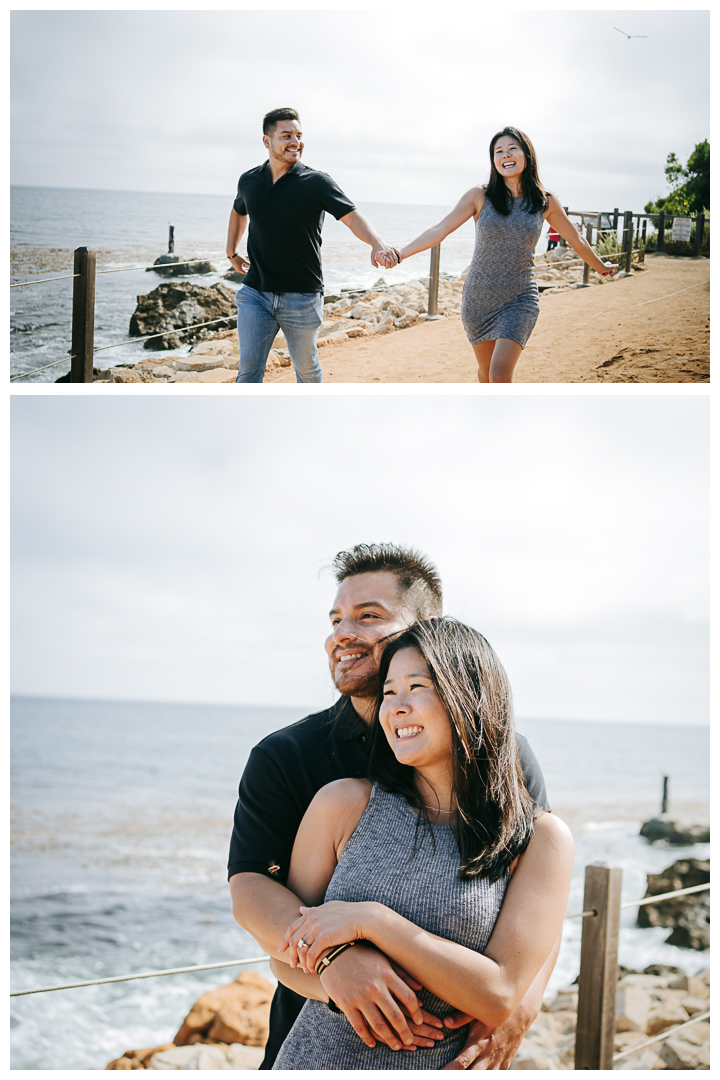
x=121 y=820
x=129 y=229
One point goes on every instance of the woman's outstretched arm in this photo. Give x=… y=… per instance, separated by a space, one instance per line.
x=469 y=206
x=487 y=986
x=557 y=217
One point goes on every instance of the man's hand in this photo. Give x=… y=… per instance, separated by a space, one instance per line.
x=375 y=999
x=385 y=257
x=238 y=263
x=486 y=1047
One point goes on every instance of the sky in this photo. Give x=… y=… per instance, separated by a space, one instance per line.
x=399 y=105
x=176 y=549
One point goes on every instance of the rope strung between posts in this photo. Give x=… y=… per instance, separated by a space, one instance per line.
x=262 y=959
x=122 y=269
x=160 y=266
x=35 y=370
x=39 y=281
x=661 y=1037
x=166 y=333
x=144 y=975
x=647 y=900
x=667 y=895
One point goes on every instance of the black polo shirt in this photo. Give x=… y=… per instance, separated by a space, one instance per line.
x=286 y=219
x=283 y=774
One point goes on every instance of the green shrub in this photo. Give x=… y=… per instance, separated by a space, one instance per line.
x=607 y=245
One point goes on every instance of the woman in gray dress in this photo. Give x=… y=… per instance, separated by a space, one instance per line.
x=500 y=299
x=420 y=859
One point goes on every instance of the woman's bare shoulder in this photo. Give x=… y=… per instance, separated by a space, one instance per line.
x=344 y=799
x=552 y=831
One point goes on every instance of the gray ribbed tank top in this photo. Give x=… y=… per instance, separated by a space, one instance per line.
x=398 y=859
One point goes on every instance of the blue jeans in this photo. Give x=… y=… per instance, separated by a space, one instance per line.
x=261 y=315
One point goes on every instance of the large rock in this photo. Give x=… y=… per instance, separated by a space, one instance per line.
x=180 y=304
x=689 y=916
x=174 y=266
x=238 y=1012
x=137 y=1059
x=672 y=831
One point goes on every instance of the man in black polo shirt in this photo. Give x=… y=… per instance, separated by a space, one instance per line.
x=286 y=202
x=382 y=589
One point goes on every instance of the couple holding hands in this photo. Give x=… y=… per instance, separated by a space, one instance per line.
x=395 y=854
x=285 y=202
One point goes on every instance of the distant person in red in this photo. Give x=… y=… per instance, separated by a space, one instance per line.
x=553 y=238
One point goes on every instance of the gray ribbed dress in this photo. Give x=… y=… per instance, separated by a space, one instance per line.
x=378 y=864
x=500 y=297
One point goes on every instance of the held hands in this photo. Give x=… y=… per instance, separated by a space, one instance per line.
x=319 y=929
x=386 y=257
x=486 y=1047
x=378 y=1000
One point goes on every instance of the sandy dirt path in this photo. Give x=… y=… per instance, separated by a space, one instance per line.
x=650 y=327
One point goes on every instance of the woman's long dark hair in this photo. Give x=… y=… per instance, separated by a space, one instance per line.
x=535 y=197
x=494 y=813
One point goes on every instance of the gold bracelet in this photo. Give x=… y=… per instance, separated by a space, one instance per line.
x=326 y=961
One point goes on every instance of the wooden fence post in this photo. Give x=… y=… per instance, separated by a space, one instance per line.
x=616 y=214
x=594 y=1037
x=171 y=239
x=434 y=282
x=83 y=316
x=661 y=231
x=586 y=269
x=628 y=240
x=699 y=230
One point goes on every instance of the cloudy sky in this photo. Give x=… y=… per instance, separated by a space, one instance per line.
x=399 y=104
x=173 y=549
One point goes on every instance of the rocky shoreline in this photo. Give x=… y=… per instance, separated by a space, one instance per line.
x=648 y=1003
x=384 y=309
x=227 y=1028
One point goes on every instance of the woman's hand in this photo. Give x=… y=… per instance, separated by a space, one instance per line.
x=609 y=268
x=322 y=928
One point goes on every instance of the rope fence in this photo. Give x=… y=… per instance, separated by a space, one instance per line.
x=143 y=975
x=83 y=349
x=597 y=982
x=661 y=1037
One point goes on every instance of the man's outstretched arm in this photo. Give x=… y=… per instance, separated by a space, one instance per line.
x=494 y=1048
x=361 y=227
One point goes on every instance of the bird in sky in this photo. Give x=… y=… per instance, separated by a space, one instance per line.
x=628 y=36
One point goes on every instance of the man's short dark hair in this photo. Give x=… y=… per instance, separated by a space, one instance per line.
x=271 y=119
x=419 y=580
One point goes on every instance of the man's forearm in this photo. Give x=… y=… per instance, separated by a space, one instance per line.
x=236 y=228
x=264 y=908
x=308 y=986
x=361 y=227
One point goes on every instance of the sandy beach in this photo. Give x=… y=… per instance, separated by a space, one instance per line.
x=650 y=327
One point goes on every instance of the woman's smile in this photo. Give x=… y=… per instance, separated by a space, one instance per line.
x=412 y=715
